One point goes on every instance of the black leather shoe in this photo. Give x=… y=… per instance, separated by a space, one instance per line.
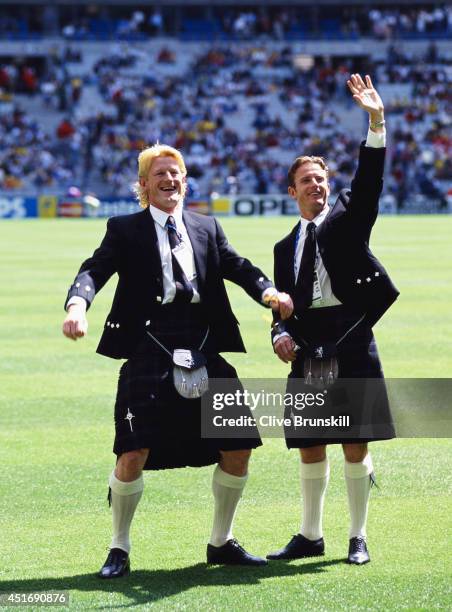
x=116 y=565
x=298 y=548
x=357 y=552
x=231 y=553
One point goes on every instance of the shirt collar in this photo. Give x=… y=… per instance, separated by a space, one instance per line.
x=317 y=220
x=161 y=217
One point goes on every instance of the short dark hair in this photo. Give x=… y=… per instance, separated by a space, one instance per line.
x=304 y=159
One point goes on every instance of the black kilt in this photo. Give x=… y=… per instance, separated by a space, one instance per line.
x=163 y=421
x=358 y=361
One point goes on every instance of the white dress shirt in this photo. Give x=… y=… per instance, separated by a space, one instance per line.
x=188 y=264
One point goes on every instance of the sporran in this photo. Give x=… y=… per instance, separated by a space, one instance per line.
x=190 y=377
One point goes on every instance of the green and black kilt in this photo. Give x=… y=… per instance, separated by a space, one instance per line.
x=149 y=412
x=359 y=391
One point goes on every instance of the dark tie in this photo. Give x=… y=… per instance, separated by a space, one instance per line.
x=305 y=280
x=184 y=288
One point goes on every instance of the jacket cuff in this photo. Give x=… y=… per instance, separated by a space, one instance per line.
x=83 y=287
x=371 y=163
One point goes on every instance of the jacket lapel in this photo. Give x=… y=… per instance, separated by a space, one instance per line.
x=198 y=239
x=146 y=237
x=288 y=268
x=323 y=227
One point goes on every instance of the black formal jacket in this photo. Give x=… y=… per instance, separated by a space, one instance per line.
x=130 y=248
x=357 y=277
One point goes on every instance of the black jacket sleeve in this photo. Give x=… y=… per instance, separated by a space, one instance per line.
x=97 y=269
x=366 y=187
x=238 y=269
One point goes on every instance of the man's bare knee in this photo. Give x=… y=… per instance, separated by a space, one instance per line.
x=235 y=462
x=313 y=454
x=130 y=464
x=354 y=453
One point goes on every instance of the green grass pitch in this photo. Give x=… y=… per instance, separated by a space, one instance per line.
x=56 y=431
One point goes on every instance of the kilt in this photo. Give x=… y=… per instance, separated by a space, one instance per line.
x=358 y=363
x=149 y=413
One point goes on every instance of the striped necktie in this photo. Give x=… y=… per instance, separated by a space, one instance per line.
x=184 y=288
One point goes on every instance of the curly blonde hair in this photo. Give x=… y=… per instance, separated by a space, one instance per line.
x=145 y=161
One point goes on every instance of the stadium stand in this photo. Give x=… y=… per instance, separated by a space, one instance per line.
x=236 y=90
x=211 y=22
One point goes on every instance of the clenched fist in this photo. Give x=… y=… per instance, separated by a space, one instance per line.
x=75 y=324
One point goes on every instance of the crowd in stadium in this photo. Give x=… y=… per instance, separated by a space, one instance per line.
x=82 y=21
x=239 y=114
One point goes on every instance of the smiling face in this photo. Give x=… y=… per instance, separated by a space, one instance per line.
x=310 y=190
x=164 y=184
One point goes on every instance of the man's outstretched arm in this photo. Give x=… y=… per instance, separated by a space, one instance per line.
x=368 y=181
x=92 y=276
x=241 y=271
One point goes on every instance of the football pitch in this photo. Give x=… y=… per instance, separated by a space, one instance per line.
x=56 y=434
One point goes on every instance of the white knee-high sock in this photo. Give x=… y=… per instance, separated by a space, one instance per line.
x=124 y=500
x=227 y=491
x=314 y=481
x=357 y=477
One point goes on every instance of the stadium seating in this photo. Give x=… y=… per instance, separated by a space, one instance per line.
x=240 y=111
